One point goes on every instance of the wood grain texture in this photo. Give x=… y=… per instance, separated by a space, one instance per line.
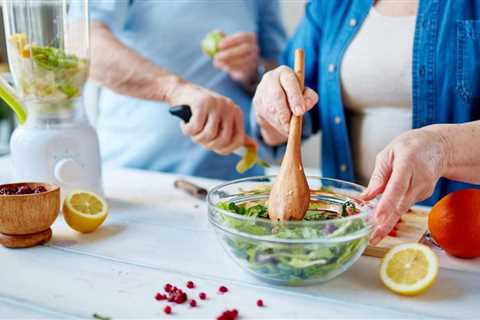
x=25 y=241
x=290 y=195
x=411 y=228
x=29 y=213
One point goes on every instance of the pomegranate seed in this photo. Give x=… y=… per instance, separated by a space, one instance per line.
x=202 y=296
x=167 y=309
x=180 y=297
x=259 y=303
x=193 y=303
x=168 y=287
x=223 y=289
x=190 y=285
x=228 y=315
x=160 y=296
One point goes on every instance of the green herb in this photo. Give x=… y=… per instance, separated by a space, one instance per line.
x=53 y=59
x=348 y=208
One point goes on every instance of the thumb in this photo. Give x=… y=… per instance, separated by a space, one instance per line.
x=378 y=180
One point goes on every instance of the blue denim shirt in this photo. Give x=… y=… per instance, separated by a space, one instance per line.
x=445 y=71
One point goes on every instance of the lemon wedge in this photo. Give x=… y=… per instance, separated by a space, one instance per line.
x=409 y=269
x=84 y=211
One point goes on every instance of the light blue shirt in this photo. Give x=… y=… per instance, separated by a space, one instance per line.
x=142 y=134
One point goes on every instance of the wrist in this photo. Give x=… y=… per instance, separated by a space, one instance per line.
x=445 y=134
x=169 y=87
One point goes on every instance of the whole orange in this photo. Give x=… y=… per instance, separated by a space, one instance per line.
x=454 y=223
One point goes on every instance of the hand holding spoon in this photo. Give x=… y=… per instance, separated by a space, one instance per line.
x=290 y=195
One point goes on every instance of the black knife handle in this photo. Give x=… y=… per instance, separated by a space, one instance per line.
x=183 y=112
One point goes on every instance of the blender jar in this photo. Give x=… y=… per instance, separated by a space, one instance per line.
x=48 y=52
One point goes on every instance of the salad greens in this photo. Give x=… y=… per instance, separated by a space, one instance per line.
x=294 y=263
x=48 y=75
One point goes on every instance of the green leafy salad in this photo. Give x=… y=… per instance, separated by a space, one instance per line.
x=288 y=252
x=46 y=74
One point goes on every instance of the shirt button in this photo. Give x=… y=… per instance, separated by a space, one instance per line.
x=338 y=120
x=353 y=22
x=422 y=71
x=343 y=167
x=331 y=68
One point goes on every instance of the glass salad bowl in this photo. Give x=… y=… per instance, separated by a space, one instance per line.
x=332 y=236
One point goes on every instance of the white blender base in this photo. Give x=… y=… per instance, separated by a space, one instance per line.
x=67 y=156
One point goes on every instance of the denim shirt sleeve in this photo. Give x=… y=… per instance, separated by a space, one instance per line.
x=271 y=33
x=307 y=36
x=111 y=13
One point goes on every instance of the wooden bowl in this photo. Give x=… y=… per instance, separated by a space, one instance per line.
x=25 y=220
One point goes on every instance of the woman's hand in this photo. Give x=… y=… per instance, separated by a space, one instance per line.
x=278 y=96
x=406 y=172
x=216 y=122
x=238 y=56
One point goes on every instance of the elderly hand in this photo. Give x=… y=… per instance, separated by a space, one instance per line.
x=238 y=56
x=278 y=96
x=406 y=172
x=216 y=122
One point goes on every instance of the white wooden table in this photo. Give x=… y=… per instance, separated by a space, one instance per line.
x=156 y=234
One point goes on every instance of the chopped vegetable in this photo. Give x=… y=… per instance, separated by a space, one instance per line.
x=250 y=159
x=48 y=76
x=210 y=43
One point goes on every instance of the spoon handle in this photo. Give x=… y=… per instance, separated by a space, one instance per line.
x=295 y=134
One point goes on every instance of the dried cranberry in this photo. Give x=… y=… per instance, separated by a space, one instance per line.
x=260 y=303
x=167 y=309
x=228 y=315
x=193 y=303
x=24 y=190
x=202 y=296
x=223 y=289
x=168 y=287
x=7 y=191
x=39 y=189
x=190 y=285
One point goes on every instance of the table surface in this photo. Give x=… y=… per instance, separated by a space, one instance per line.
x=156 y=234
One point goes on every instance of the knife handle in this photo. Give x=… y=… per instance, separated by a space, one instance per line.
x=190 y=188
x=183 y=112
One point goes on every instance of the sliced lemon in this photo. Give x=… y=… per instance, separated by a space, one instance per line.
x=409 y=269
x=84 y=211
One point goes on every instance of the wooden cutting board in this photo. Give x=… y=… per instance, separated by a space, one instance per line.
x=411 y=228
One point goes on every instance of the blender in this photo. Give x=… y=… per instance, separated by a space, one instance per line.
x=48 y=52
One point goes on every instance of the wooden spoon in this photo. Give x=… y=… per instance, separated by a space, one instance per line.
x=290 y=195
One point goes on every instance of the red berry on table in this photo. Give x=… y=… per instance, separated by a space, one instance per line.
x=223 y=289
x=260 y=303
x=190 y=285
x=193 y=303
x=202 y=296
x=168 y=287
x=159 y=296
x=167 y=310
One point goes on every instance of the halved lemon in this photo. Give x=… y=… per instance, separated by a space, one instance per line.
x=409 y=269
x=84 y=211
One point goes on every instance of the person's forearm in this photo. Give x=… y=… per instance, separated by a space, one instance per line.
x=123 y=70
x=462 y=143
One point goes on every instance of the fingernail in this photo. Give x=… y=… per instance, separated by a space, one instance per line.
x=298 y=109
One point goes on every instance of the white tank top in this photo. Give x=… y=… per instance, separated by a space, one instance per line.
x=376 y=78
